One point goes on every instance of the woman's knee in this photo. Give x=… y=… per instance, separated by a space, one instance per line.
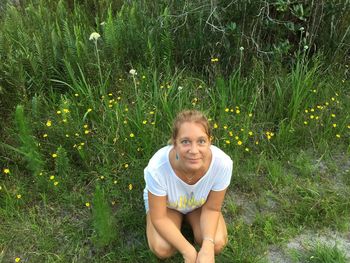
x=162 y=250
x=220 y=244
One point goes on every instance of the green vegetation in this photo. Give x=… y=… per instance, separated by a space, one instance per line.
x=321 y=253
x=88 y=90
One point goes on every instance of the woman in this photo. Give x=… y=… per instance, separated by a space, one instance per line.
x=187 y=180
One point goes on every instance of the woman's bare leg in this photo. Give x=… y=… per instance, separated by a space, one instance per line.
x=193 y=218
x=158 y=245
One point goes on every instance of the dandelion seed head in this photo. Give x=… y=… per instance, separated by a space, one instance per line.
x=94 y=36
x=133 y=72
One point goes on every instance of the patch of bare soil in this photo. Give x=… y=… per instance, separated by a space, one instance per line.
x=306 y=240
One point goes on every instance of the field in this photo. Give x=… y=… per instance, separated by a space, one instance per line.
x=88 y=93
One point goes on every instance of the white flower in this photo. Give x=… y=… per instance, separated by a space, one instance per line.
x=302 y=29
x=133 y=72
x=94 y=36
x=306 y=47
x=179 y=88
x=241 y=48
x=103 y=23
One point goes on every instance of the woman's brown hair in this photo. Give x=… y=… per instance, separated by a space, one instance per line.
x=189 y=116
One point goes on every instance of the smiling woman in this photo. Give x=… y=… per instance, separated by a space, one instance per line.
x=187 y=181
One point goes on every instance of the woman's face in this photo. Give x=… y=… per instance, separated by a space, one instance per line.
x=192 y=146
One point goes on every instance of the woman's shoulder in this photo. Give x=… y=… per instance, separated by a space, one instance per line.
x=220 y=154
x=160 y=157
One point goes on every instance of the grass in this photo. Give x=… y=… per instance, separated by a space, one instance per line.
x=321 y=253
x=77 y=135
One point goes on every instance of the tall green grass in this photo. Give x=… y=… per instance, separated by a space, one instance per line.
x=85 y=125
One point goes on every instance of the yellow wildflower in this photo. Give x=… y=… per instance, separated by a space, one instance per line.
x=250 y=114
x=216 y=126
x=48 y=123
x=54 y=155
x=144 y=122
x=246 y=149
x=89 y=110
x=19 y=196
x=130 y=187
x=227 y=141
x=58 y=112
x=239 y=142
x=55 y=183
x=87 y=204
x=45 y=135
x=65 y=110
x=227 y=110
x=250 y=133
x=338 y=135
x=17 y=259
x=238 y=111
x=52 y=177
x=86 y=131
x=132 y=135
x=334 y=125
x=126 y=165
x=305 y=122
x=6 y=170
x=76 y=95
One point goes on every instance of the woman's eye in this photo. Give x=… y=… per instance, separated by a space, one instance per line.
x=202 y=141
x=185 y=142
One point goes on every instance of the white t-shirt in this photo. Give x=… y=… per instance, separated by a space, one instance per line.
x=161 y=180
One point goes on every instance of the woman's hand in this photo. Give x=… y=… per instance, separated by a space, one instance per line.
x=190 y=255
x=206 y=254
